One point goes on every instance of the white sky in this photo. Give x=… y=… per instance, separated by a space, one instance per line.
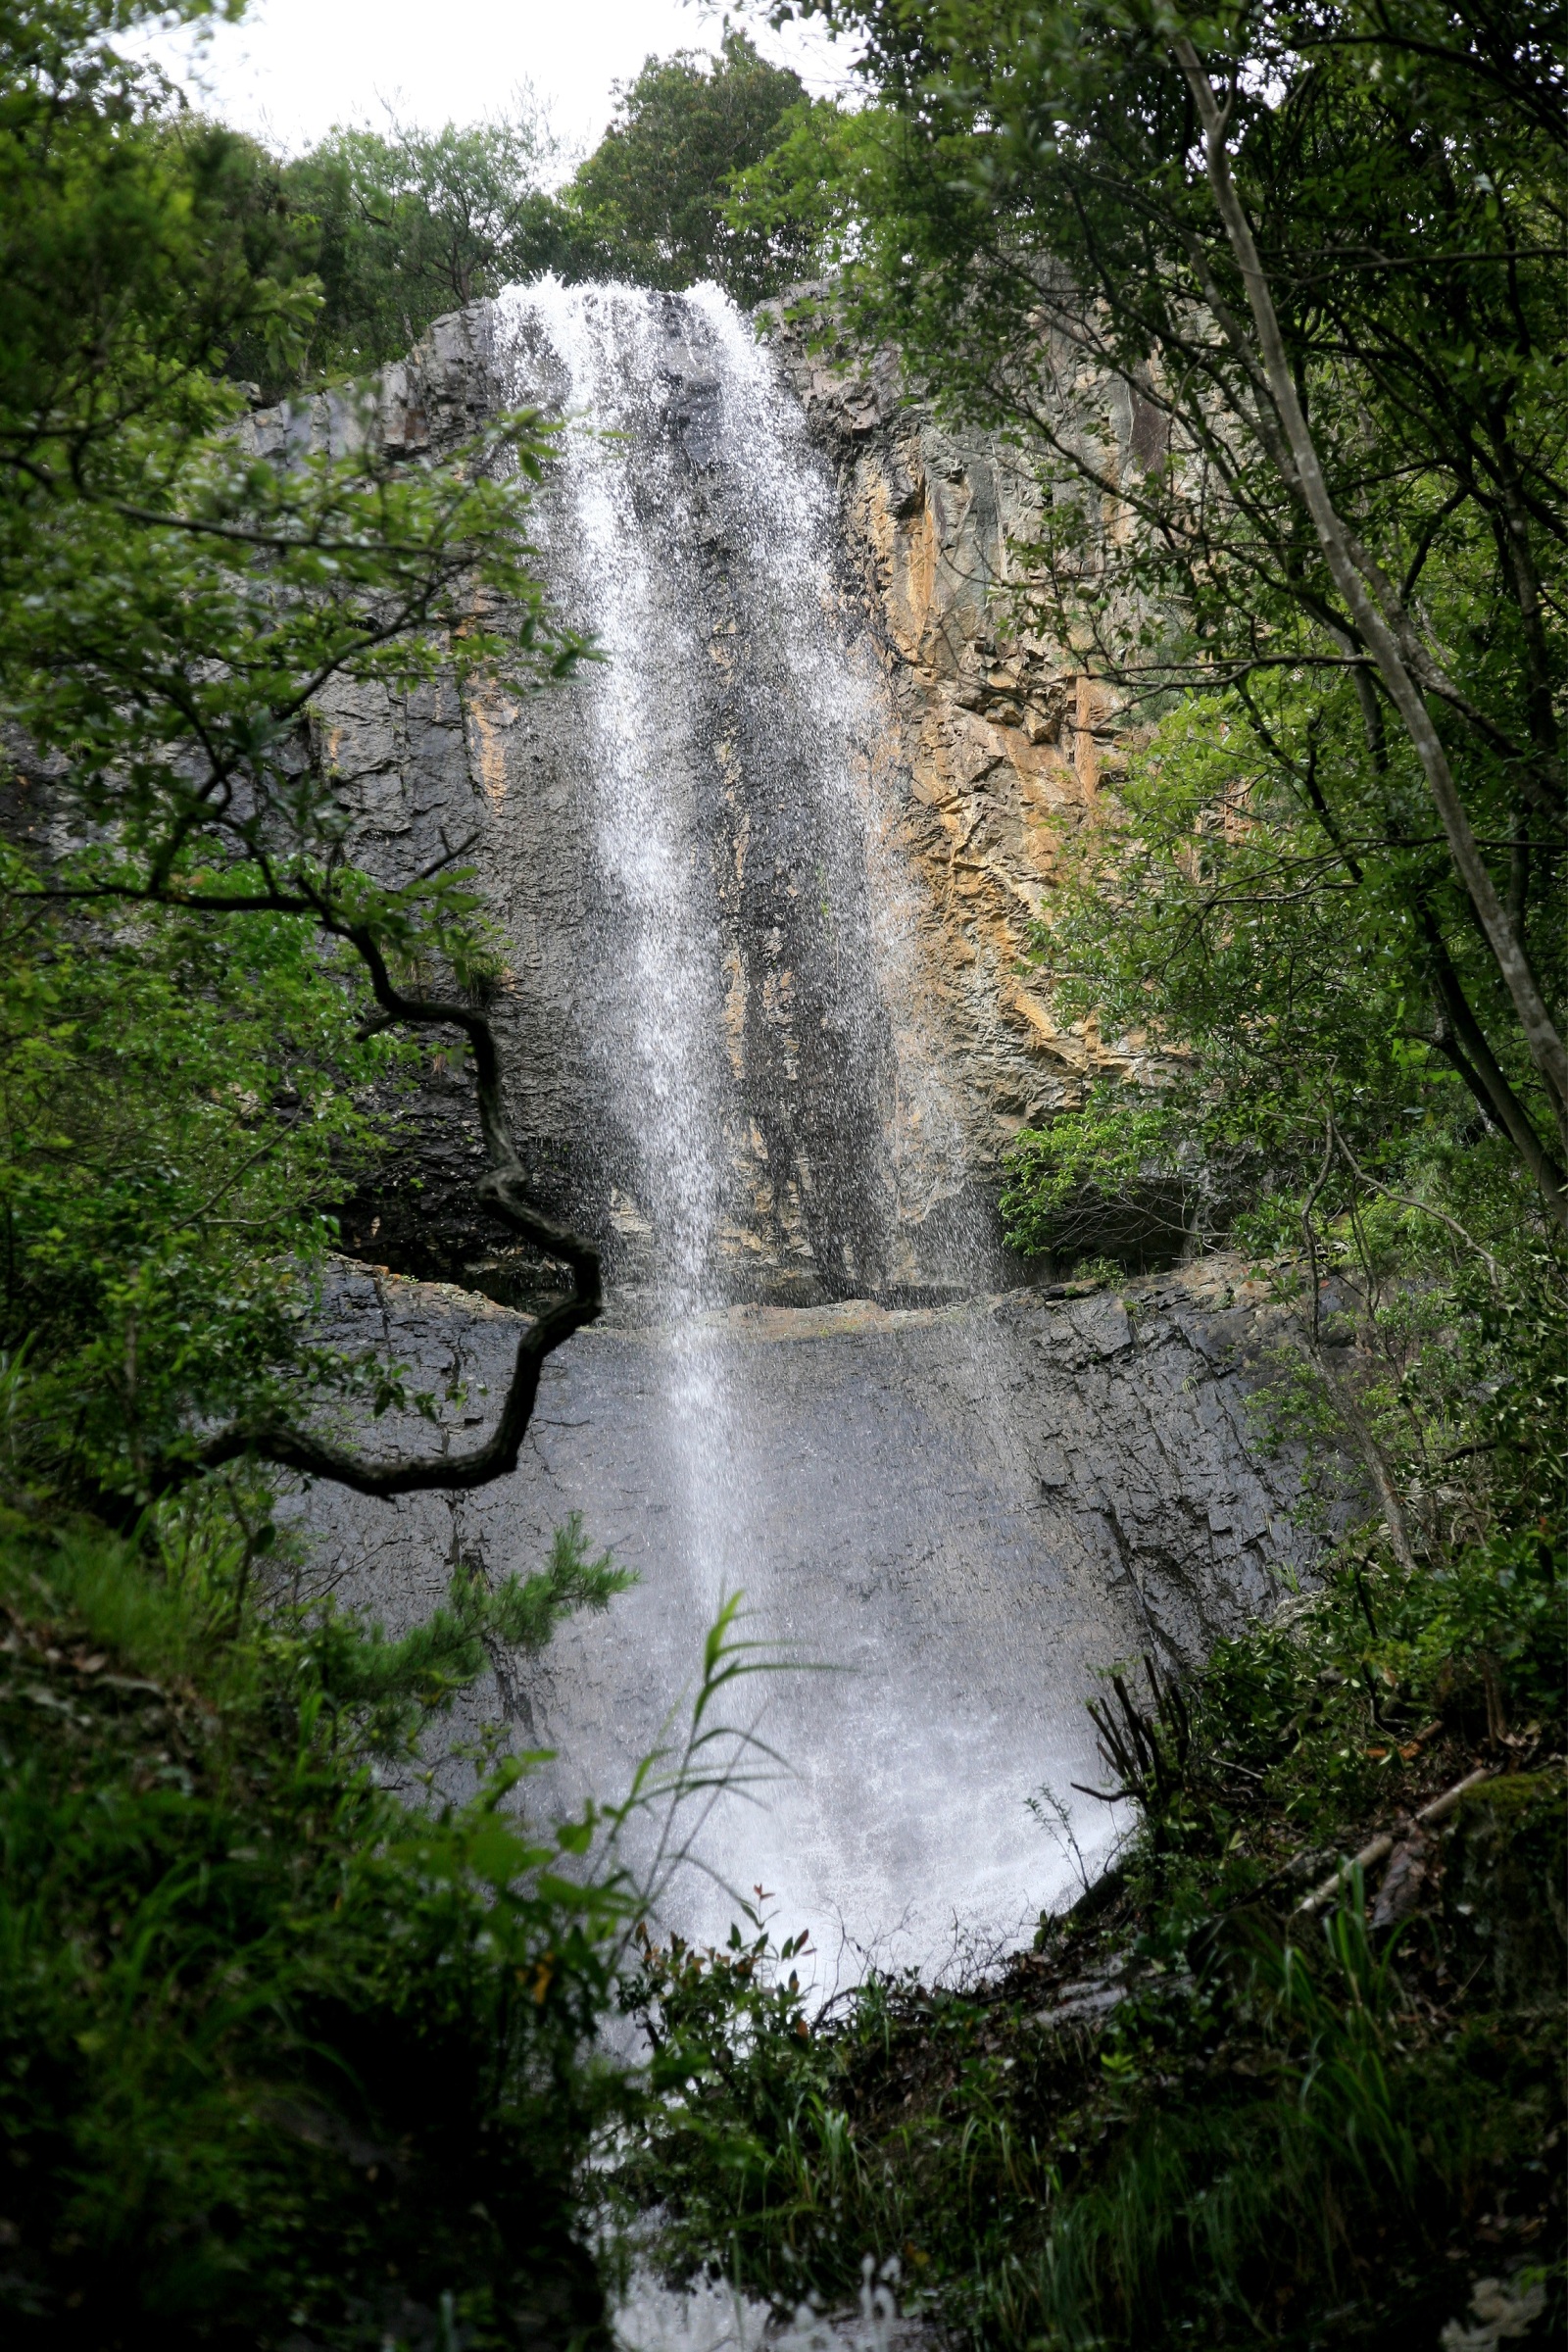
x=293 y=68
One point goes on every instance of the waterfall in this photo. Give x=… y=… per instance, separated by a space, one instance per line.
x=799 y=1389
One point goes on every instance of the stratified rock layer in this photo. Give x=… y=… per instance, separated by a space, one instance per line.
x=1003 y=741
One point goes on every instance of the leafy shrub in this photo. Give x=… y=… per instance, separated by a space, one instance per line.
x=1109 y=1177
x=176 y=1103
x=284 y=2059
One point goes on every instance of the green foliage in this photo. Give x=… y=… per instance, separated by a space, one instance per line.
x=399 y=224
x=279 y=2050
x=1279 y=2115
x=279 y=2053
x=281 y=2057
x=177 y=606
x=653 y=196
x=180 y=620
x=176 y=1105
x=403 y=224
x=1208 y=918
x=821 y=190
x=1103 y=1177
x=170 y=635
x=384 y=1687
x=1297 y=1102
x=132 y=254
x=1306 y=1108
x=1026 y=210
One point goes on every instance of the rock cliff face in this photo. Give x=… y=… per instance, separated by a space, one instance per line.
x=960 y=1511
x=1002 y=739
x=862 y=923
x=763 y=882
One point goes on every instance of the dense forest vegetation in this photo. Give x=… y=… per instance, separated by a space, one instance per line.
x=398 y=225
x=292 y=2057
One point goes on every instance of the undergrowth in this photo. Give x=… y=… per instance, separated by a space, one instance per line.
x=282 y=2058
x=1195 y=2113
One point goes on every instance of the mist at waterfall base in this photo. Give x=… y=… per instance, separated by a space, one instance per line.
x=800 y=1390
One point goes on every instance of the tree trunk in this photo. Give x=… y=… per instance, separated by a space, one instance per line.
x=1379 y=630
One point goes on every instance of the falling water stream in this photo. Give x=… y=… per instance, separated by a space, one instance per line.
x=799 y=1393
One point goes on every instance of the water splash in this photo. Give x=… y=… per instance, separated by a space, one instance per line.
x=713 y=2316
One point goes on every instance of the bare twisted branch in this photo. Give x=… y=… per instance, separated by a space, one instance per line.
x=502 y=1191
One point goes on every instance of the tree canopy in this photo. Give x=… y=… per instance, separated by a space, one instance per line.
x=394 y=225
x=174 y=601
x=403 y=224
x=1277 y=301
x=653 y=194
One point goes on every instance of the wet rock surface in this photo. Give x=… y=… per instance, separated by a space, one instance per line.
x=961 y=1511
x=1005 y=742
x=761 y=881
x=742 y=735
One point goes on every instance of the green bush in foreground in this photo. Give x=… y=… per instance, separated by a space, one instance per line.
x=282 y=2059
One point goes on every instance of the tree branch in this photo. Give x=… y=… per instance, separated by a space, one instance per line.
x=502 y=1191
x=1423 y=1208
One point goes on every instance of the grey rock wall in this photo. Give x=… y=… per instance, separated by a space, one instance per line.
x=1123 y=1418
x=962 y=1511
x=499 y=777
x=802 y=1081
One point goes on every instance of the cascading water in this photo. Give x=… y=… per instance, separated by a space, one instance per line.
x=661 y=1042
x=774 y=1153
